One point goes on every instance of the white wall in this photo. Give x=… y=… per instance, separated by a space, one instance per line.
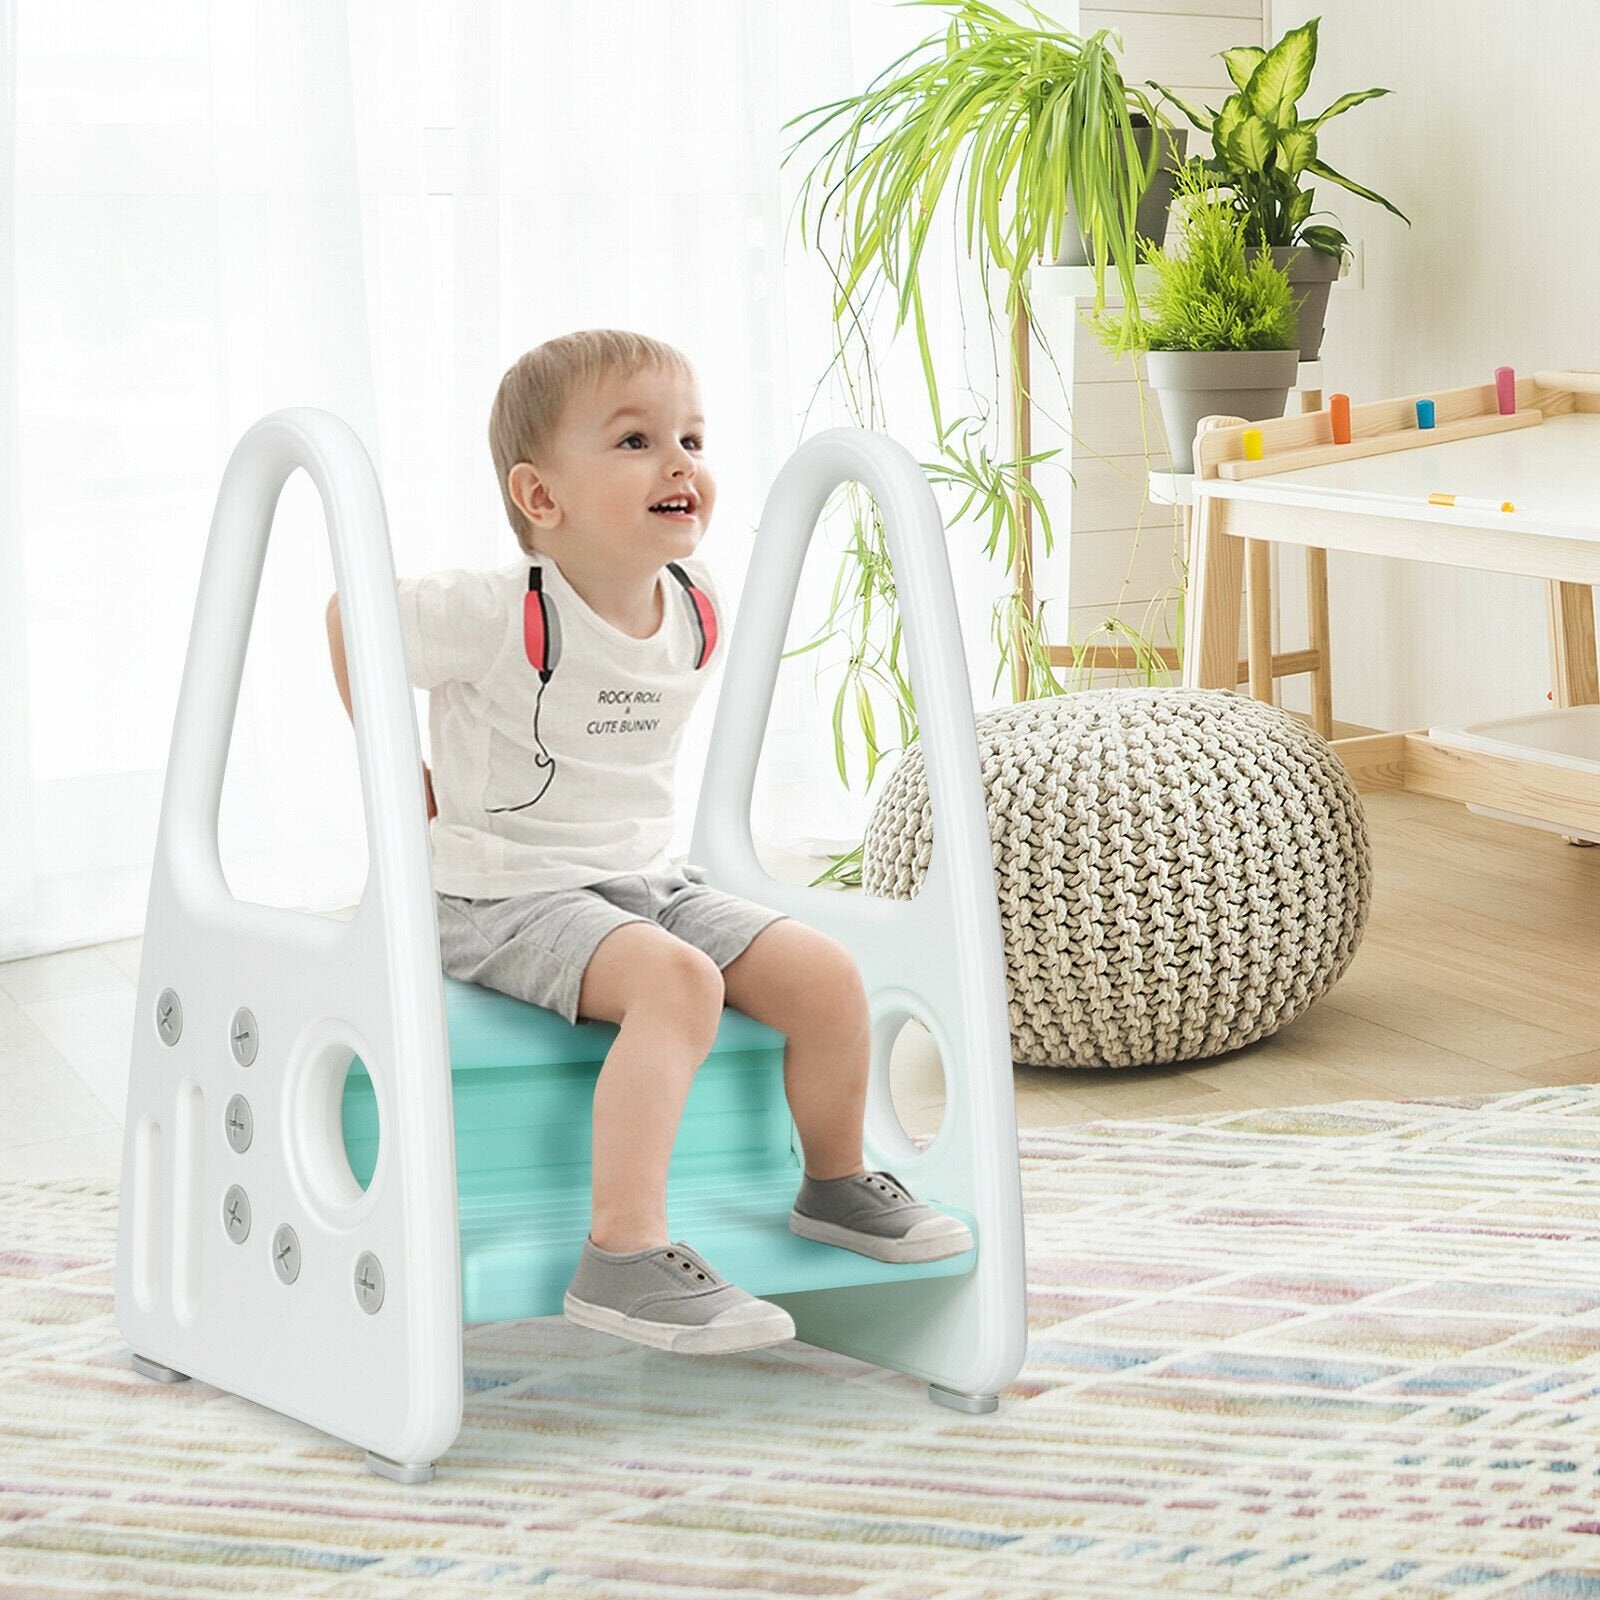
x=1487 y=144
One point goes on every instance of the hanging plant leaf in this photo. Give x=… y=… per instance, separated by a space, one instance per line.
x=1203 y=120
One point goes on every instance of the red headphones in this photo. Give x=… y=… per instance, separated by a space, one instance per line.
x=541 y=628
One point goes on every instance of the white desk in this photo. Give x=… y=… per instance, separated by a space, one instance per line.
x=1377 y=503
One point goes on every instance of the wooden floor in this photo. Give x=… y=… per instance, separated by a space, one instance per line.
x=1479 y=974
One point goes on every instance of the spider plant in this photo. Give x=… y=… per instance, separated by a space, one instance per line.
x=1027 y=111
x=1006 y=116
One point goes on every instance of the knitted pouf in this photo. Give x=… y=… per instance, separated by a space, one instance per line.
x=1180 y=871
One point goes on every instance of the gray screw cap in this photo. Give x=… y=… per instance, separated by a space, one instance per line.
x=240 y=1124
x=242 y=1036
x=286 y=1253
x=236 y=1214
x=169 y=1016
x=369 y=1281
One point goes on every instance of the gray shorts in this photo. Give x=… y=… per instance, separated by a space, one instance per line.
x=538 y=946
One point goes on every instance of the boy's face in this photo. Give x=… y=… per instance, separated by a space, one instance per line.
x=624 y=447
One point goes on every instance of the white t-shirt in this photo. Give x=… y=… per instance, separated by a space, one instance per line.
x=564 y=784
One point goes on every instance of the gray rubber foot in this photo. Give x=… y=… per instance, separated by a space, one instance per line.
x=957 y=1401
x=399 y=1471
x=154 y=1369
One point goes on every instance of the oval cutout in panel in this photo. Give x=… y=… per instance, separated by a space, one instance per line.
x=917 y=1082
x=188 y=1202
x=145 y=1212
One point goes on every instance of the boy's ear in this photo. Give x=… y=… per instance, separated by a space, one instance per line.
x=531 y=496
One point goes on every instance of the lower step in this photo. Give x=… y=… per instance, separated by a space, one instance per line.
x=517 y=1258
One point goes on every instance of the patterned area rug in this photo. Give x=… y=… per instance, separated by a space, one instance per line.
x=1344 y=1351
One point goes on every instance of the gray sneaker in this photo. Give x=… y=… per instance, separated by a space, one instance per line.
x=875 y=1215
x=672 y=1299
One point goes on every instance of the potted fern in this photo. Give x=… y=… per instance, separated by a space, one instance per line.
x=1262 y=151
x=1218 y=327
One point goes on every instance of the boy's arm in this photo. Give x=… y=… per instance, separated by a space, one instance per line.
x=341 y=676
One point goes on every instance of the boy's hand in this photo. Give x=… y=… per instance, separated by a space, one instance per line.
x=427 y=792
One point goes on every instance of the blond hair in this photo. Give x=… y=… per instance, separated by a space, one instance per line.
x=533 y=395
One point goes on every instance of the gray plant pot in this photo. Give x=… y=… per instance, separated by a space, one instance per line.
x=1150 y=222
x=1311 y=275
x=1191 y=384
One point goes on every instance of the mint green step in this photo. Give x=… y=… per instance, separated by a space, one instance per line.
x=523 y=1086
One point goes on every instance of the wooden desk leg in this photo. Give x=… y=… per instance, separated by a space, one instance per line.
x=1258 y=611
x=1572 y=652
x=1216 y=581
x=1572 y=644
x=1317 y=623
x=1317 y=614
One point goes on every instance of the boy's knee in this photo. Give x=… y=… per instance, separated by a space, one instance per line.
x=834 y=971
x=682 y=985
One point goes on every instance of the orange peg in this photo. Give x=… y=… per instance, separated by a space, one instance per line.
x=1339 y=413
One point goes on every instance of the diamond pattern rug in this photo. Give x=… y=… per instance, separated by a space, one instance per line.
x=1342 y=1351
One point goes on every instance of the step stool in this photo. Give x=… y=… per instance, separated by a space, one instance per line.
x=523 y=1085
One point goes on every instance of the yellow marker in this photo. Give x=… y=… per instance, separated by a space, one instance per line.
x=1463 y=502
x=1252 y=444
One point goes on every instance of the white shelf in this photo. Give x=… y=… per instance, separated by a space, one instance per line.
x=1567 y=737
x=1077 y=283
x=1172 y=488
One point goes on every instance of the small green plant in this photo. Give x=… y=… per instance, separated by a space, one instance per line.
x=1212 y=292
x=1261 y=148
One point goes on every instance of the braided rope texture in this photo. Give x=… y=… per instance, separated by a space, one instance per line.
x=1180 y=872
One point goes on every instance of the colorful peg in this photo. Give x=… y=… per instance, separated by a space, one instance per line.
x=1424 y=413
x=1505 y=390
x=1339 y=412
x=1251 y=439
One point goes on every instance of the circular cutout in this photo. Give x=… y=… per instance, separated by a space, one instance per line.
x=906 y=1095
x=916 y=1082
x=333 y=1140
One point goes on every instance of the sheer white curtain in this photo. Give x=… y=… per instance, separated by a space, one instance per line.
x=210 y=209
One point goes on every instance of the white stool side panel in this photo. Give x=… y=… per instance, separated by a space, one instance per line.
x=189 y=1295
x=938 y=957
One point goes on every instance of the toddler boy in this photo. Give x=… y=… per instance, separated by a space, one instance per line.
x=559 y=688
